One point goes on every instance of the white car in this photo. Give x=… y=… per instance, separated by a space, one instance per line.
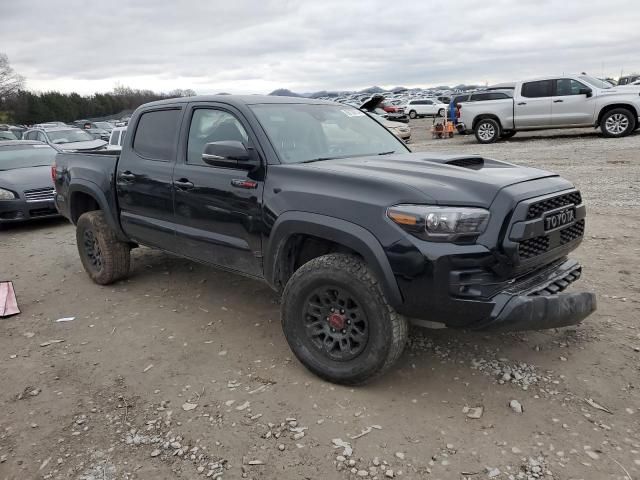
x=425 y=107
x=116 y=138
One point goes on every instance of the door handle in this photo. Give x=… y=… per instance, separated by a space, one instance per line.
x=558 y=101
x=522 y=103
x=127 y=175
x=183 y=183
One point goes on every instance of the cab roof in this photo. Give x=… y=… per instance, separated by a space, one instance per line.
x=240 y=100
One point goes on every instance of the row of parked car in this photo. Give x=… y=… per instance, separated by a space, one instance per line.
x=81 y=135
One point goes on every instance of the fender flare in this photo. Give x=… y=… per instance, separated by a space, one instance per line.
x=93 y=190
x=338 y=231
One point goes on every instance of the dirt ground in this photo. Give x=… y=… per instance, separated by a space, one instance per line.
x=182 y=371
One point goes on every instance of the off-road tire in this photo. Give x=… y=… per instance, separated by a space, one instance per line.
x=487 y=130
x=624 y=115
x=115 y=256
x=413 y=115
x=387 y=330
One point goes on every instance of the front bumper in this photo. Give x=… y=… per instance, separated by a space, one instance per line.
x=542 y=312
x=19 y=210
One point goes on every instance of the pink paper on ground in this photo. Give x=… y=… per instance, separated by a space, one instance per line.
x=8 y=301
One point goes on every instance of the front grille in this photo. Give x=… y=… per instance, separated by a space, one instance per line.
x=537 y=209
x=533 y=247
x=39 y=194
x=573 y=232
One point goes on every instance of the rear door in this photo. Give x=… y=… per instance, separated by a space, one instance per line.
x=144 y=177
x=218 y=211
x=569 y=106
x=533 y=105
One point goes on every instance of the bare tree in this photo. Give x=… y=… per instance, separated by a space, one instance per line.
x=10 y=81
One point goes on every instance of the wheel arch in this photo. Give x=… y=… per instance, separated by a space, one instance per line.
x=613 y=106
x=484 y=116
x=293 y=227
x=85 y=196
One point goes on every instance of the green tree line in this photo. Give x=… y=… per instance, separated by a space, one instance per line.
x=25 y=108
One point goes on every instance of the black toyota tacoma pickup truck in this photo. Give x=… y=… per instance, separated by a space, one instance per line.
x=329 y=208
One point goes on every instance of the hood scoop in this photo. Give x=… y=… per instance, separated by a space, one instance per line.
x=474 y=163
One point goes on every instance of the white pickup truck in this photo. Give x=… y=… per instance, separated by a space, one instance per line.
x=569 y=101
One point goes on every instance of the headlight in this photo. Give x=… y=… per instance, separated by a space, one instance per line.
x=440 y=224
x=6 y=194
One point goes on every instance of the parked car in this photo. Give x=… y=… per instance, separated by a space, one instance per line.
x=99 y=133
x=559 y=102
x=116 y=139
x=395 y=110
x=425 y=107
x=399 y=129
x=628 y=79
x=329 y=208
x=26 y=188
x=7 y=135
x=65 y=138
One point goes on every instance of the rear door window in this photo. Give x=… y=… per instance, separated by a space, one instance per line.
x=488 y=96
x=156 y=136
x=539 y=89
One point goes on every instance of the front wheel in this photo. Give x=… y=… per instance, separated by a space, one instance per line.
x=618 y=122
x=487 y=130
x=104 y=257
x=338 y=323
x=413 y=114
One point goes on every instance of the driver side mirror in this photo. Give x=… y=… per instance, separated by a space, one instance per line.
x=228 y=154
x=586 y=91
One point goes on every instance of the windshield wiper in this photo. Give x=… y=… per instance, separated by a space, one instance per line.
x=319 y=159
x=387 y=153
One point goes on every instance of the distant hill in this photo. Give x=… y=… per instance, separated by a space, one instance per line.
x=283 y=92
x=372 y=90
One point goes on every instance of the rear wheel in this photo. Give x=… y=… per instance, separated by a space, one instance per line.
x=413 y=114
x=104 y=257
x=618 y=122
x=487 y=130
x=338 y=323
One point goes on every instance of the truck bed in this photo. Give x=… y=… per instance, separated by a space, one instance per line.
x=85 y=172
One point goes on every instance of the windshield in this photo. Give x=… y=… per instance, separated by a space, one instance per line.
x=104 y=125
x=595 y=82
x=69 y=136
x=7 y=135
x=305 y=132
x=23 y=156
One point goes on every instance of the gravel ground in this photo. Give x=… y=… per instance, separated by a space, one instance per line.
x=182 y=371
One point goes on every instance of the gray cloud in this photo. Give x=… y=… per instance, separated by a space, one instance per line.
x=257 y=45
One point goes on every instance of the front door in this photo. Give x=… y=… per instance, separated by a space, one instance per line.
x=144 y=178
x=218 y=210
x=569 y=106
x=533 y=105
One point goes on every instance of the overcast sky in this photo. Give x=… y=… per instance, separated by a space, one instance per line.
x=255 y=46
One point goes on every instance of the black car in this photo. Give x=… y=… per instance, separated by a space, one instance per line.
x=26 y=188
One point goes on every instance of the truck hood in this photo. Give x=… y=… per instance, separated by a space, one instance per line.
x=27 y=178
x=469 y=180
